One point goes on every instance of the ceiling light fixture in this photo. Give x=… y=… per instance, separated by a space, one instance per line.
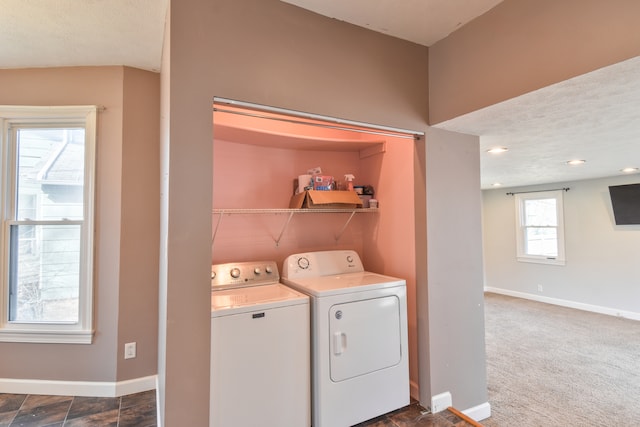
x=576 y=162
x=497 y=150
x=629 y=170
x=496 y=184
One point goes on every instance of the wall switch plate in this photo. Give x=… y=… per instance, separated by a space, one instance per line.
x=130 y=350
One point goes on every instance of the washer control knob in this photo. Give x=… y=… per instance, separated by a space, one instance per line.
x=268 y=269
x=349 y=258
x=339 y=314
x=213 y=275
x=257 y=271
x=235 y=272
x=303 y=263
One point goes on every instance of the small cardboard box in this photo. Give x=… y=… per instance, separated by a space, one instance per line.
x=312 y=199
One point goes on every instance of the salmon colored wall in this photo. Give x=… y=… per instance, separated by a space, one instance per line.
x=255 y=177
x=250 y=176
x=390 y=241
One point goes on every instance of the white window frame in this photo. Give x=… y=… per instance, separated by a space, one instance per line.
x=522 y=255
x=42 y=332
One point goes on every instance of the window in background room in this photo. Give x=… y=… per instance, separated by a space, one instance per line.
x=47 y=223
x=540 y=227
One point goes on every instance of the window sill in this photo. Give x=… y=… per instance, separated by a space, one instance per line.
x=542 y=260
x=46 y=337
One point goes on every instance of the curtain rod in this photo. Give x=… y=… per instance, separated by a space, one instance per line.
x=302 y=122
x=538 y=191
x=310 y=116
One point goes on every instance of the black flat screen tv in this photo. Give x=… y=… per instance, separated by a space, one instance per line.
x=625 y=200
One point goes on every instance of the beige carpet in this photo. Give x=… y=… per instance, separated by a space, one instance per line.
x=554 y=366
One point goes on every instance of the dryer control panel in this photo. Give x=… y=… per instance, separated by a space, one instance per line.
x=322 y=263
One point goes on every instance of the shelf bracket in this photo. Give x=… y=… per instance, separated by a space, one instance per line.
x=286 y=224
x=344 y=227
x=215 y=230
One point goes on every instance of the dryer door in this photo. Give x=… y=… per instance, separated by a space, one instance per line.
x=365 y=337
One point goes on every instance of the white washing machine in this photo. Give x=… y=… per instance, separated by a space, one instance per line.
x=360 y=366
x=260 y=356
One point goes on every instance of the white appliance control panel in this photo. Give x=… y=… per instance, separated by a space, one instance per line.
x=323 y=263
x=241 y=274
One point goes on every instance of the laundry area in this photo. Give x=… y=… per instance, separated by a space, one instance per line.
x=287 y=183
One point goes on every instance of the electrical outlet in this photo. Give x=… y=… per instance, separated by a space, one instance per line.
x=540 y=288
x=130 y=350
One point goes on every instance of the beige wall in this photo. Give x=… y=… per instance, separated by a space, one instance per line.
x=139 y=245
x=452 y=328
x=267 y=52
x=523 y=45
x=107 y=87
x=601 y=272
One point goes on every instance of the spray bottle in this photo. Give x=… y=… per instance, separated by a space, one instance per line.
x=349 y=178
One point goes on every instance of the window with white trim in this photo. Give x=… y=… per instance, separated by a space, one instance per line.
x=540 y=227
x=47 y=207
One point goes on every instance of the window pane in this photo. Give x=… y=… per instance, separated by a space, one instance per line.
x=539 y=212
x=50 y=173
x=541 y=241
x=45 y=273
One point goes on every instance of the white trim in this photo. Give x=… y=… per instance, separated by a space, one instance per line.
x=78 y=388
x=80 y=332
x=440 y=402
x=47 y=334
x=566 y=303
x=158 y=411
x=479 y=412
x=270 y=109
x=521 y=253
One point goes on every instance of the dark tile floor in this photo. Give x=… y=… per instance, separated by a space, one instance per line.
x=22 y=410
x=139 y=410
x=415 y=415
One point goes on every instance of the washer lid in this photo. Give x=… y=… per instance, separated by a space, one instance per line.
x=242 y=300
x=344 y=283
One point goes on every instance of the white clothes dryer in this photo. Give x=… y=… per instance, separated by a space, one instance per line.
x=359 y=366
x=260 y=357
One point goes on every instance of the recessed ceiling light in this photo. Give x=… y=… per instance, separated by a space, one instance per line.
x=496 y=184
x=576 y=162
x=629 y=170
x=496 y=150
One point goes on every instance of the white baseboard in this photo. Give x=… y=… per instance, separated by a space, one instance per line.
x=414 y=390
x=159 y=413
x=440 y=402
x=78 y=388
x=566 y=303
x=479 y=413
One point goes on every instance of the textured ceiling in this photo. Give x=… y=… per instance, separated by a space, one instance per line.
x=593 y=117
x=59 y=33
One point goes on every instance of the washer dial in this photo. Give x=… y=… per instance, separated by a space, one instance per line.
x=303 y=262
